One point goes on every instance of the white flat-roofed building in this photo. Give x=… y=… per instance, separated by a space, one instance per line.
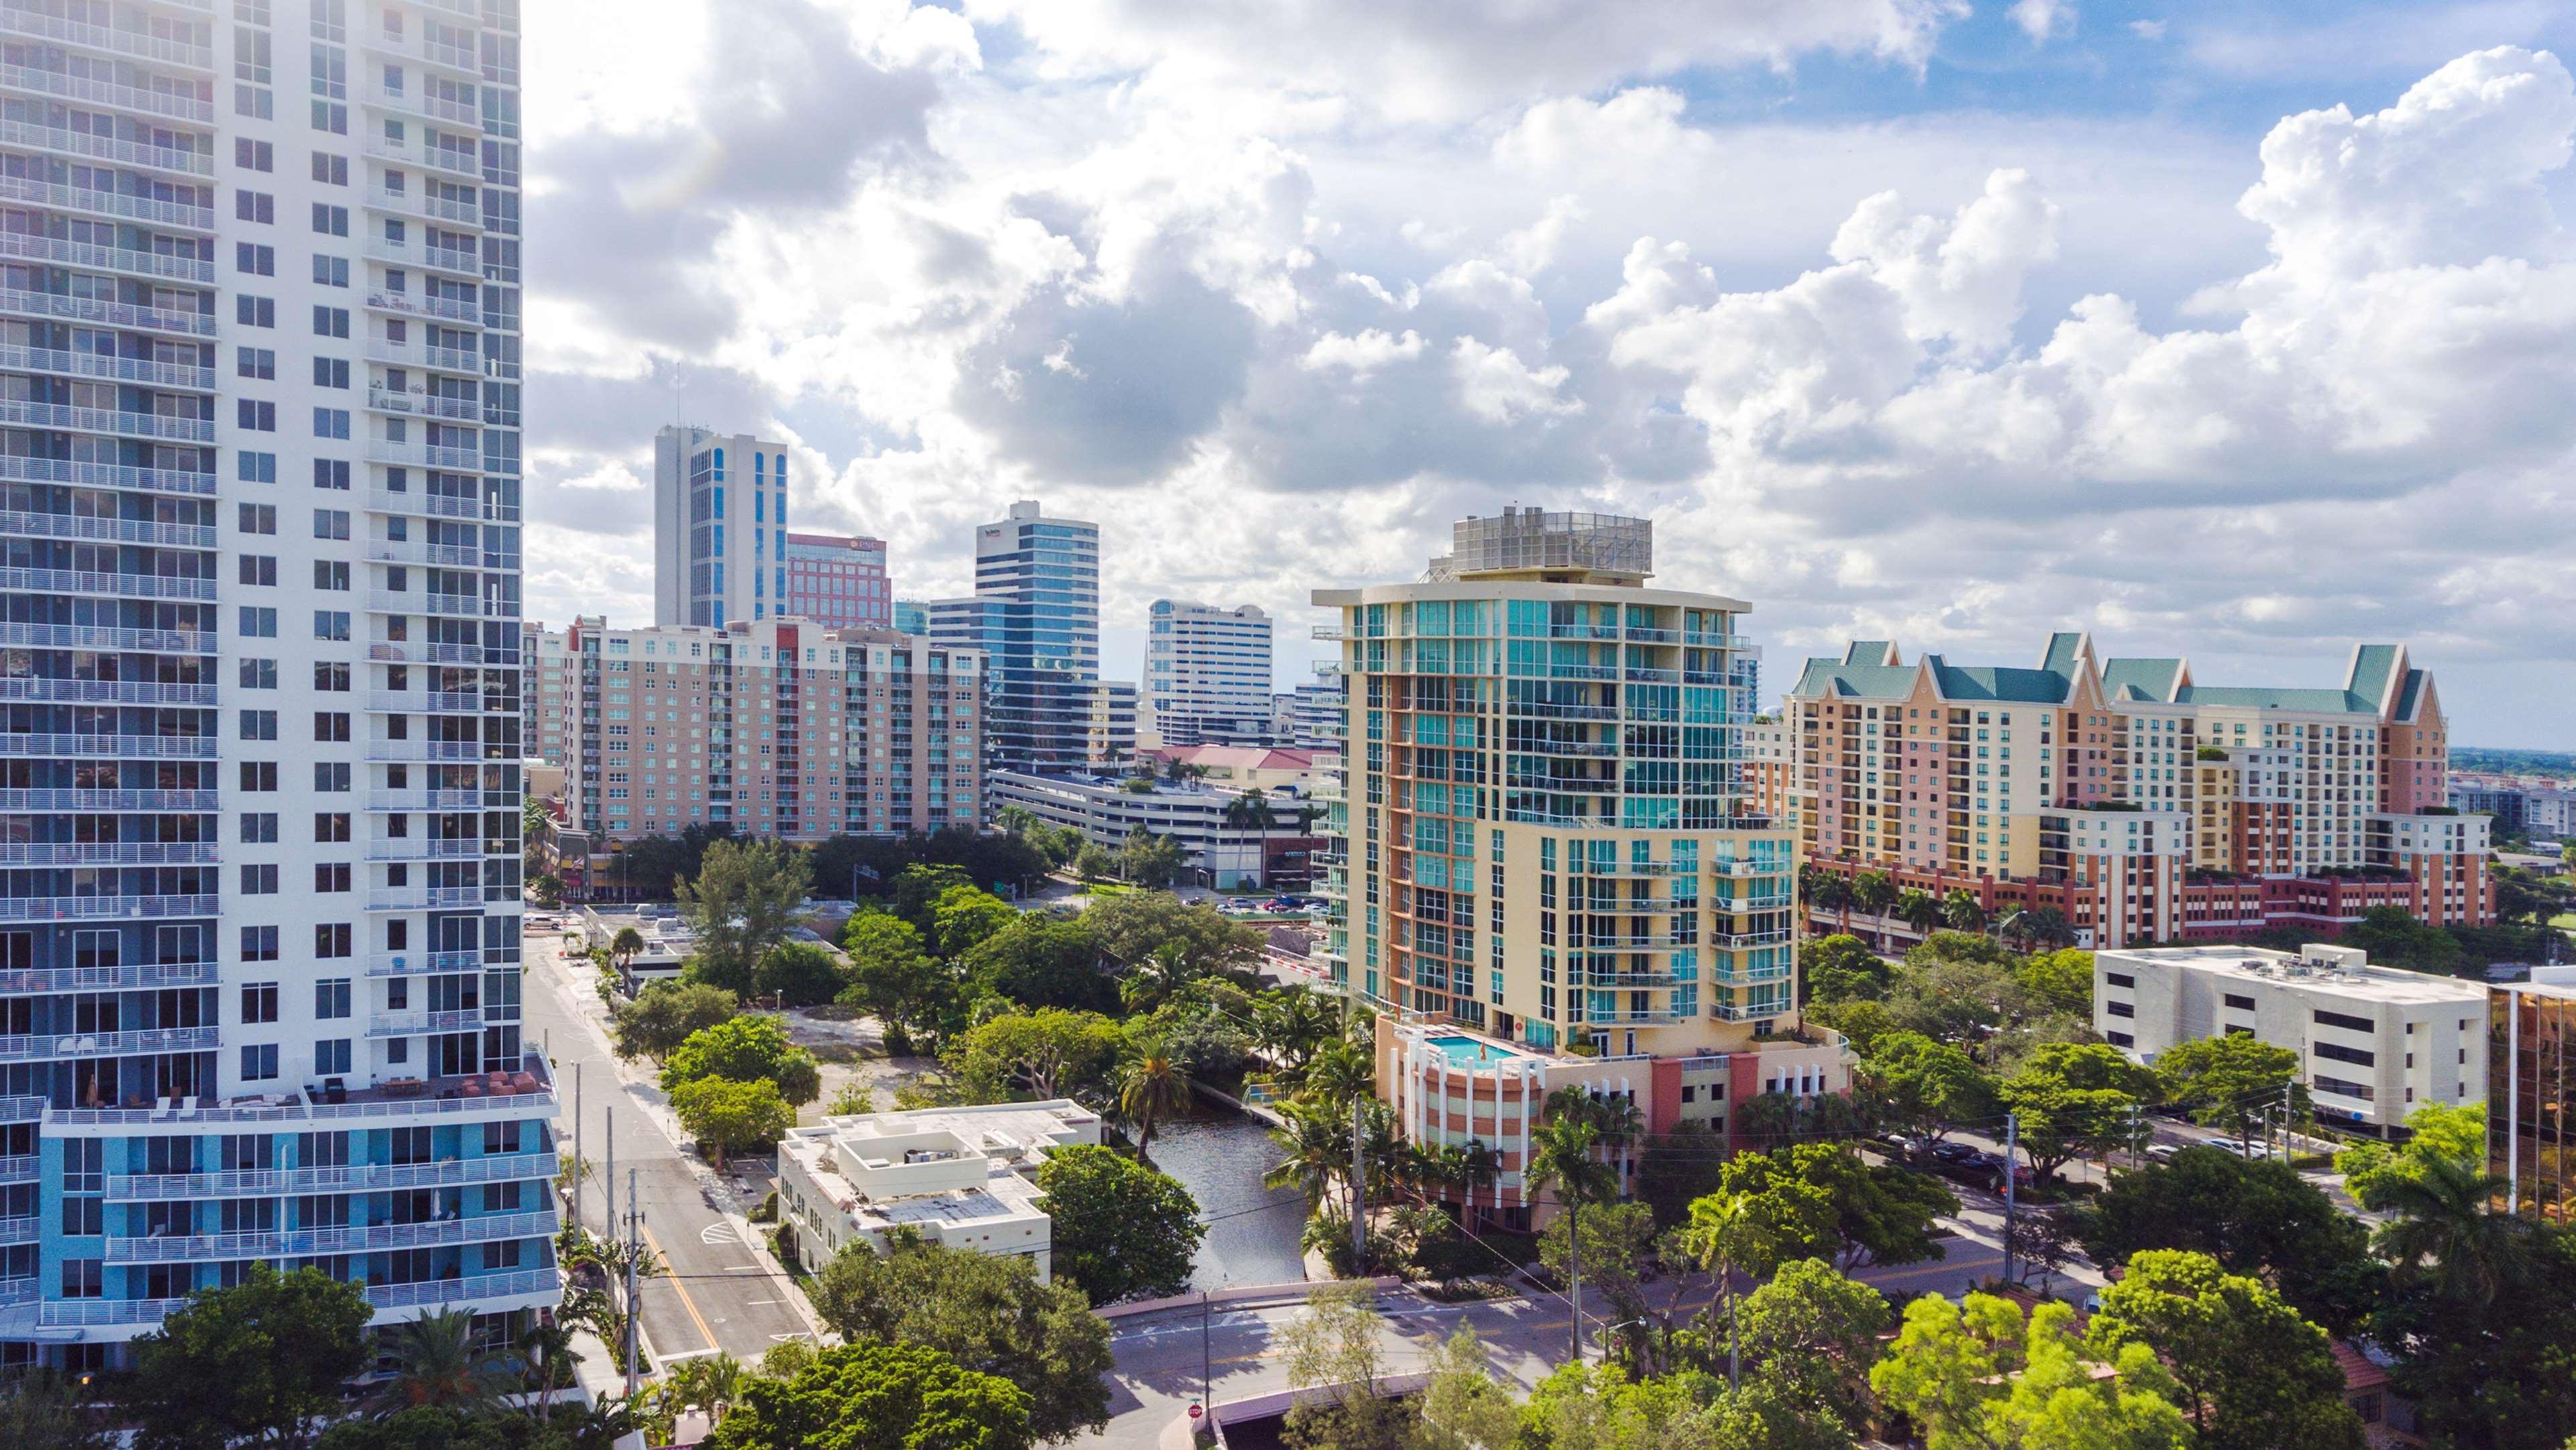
x=964 y=1177
x=1108 y=813
x=2373 y=1042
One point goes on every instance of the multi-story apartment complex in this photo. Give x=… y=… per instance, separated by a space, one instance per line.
x=2531 y=1100
x=719 y=527
x=2140 y=804
x=1035 y=619
x=1542 y=866
x=1207 y=675
x=259 y=438
x=2373 y=1043
x=2543 y=809
x=1199 y=817
x=774 y=729
x=545 y=684
x=1310 y=716
x=839 y=581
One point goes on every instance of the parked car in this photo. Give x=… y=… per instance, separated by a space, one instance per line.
x=2163 y=1152
x=1955 y=1152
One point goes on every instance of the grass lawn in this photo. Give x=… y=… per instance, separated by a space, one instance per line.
x=2564 y=921
x=1109 y=888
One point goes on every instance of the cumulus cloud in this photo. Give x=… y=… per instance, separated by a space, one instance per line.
x=1918 y=379
x=2043 y=19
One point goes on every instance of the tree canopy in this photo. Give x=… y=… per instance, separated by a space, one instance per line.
x=2254 y=1218
x=665 y=1014
x=745 y=1049
x=1047 y=1053
x=741 y=902
x=876 y=1396
x=1121 y=1230
x=1978 y=1376
x=2252 y=1374
x=986 y=1311
x=261 y=1361
x=730 y=1116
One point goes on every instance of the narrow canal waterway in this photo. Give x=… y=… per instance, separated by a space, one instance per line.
x=1219 y=1155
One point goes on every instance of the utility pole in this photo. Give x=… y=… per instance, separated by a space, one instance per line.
x=634 y=1253
x=1207 y=1366
x=608 y=1224
x=1359 y=1183
x=578 y=1162
x=2137 y=1143
x=2012 y=1175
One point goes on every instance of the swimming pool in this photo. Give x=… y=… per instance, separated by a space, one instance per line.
x=1472 y=1049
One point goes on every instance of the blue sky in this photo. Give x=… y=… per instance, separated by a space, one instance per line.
x=1941 y=320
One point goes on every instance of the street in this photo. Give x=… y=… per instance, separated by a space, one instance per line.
x=1160 y=1359
x=718 y=1293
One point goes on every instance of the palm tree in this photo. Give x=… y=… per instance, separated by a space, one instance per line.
x=1250 y=811
x=624 y=947
x=1919 y=909
x=1340 y=1071
x=1152 y=979
x=1834 y=893
x=1315 y=1147
x=1289 y=1025
x=1872 y=891
x=436 y=1363
x=1560 y=1158
x=709 y=1383
x=1015 y=820
x=2049 y=928
x=2445 y=1218
x=1151 y=1086
x=1962 y=912
x=546 y=1363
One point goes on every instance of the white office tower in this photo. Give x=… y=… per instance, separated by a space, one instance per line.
x=719 y=528
x=259 y=873
x=1207 y=674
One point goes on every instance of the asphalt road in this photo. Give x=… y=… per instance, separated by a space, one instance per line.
x=718 y=1294
x=1161 y=1359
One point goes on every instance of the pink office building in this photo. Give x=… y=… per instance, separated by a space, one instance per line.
x=838 y=581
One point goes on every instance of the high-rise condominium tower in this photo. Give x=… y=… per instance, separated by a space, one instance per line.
x=259 y=441
x=1035 y=615
x=1544 y=872
x=719 y=528
x=1207 y=674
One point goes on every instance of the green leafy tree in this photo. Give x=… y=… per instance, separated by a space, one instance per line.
x=1462 y=1407
x=1762 y=1216
x=1918 y=909
x=1813 y=1334
x=1337 y=1347
x=2231 y=1081
x=965 y=916
x=891 y=977
x=1883 y=1214
x=2394 y=938
x=1618 y=1256
x=548 y=889
x=880 y=1396
x=1842 y=968
x=1601 y=1407
x=1977 y=1377
x=260 y=1362
x=916 y=890
x=2453 y=1131
x=1923 y=1088
x=745 y=1049
x=1962 y=912
x=2259 y=1219
x=987 y=1311
x=42 y=1411
x=1040 y=961
x=624 y=947
x=1290 y=1024
x=1131 y=929
x=2075 y=1100
x=1048 y=1053
x=733 y=1117
x=1092 y=862
x=1121 y=1229
x=2252 y=1374
x=741 y=903
x=2496 y=1378
x=2060 y=981
x=1314 y=1151
x=798 y=974
x=1150 y=860
x=666 y=1014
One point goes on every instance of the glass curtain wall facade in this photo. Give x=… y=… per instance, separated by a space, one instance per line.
x=259 y=883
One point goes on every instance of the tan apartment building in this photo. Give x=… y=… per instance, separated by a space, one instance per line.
x=1541 y=857
x=775 y=729
x=2262 y=804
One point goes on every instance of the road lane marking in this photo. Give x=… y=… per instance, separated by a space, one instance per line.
x=683 y=1291
x=718 y=1232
